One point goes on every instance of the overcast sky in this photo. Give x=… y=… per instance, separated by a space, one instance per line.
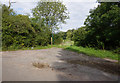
x=78 y=9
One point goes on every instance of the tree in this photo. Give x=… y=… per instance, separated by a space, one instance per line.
x=42 y=33
x=58 y=38
x=103 y=26
x=51 y=13
x=79 y=36
x=6 y=19
x=70 y=34
x=17 y=30
x=0 y=26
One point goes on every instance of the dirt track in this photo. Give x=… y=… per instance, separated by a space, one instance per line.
x=18 y=66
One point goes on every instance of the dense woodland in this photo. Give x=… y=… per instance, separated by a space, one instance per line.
x=101 y=30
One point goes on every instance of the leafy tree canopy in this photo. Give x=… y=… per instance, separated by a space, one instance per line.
x=51 y=13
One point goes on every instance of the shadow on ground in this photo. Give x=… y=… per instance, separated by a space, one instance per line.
x=79 y=67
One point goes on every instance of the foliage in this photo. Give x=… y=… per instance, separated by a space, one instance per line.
x=70 y=34
x=16 y=29
x=42 y=33
x=101 y=29
x=21 y=31
x=50 y=13
x=0 y=26
x=63 y=35
x=58 y=38
x=79 y=36
x=103 y=26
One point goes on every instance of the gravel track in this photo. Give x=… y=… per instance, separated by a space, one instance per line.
x=18 y=66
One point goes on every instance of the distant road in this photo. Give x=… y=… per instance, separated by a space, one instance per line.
x=18 y=66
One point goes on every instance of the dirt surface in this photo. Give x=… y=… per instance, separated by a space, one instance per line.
x=62 y=65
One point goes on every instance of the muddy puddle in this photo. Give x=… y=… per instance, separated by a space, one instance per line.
x=40 y=65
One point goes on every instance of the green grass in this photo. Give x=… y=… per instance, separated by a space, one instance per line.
x=93 y=52
x=37 y=47
x=84 y=50
x=28 y=48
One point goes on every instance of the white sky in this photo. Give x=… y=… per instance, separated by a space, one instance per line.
x=78 y=9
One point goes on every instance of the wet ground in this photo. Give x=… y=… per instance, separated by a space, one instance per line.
x=55 y=64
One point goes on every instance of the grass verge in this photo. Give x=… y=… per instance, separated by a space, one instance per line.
x=93 y=52
x=84 y=50
x=28 y=48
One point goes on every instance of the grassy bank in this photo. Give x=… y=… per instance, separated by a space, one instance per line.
x=93 y=52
